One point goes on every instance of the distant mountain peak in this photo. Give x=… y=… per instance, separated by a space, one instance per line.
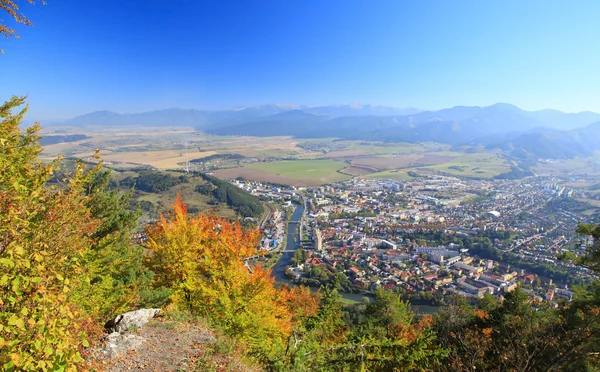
x=505 y=106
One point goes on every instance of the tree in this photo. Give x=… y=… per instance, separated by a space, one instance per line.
x=12 y=8
x=380 y=336
x=66 y=262
x=118 y=279
x=201 y=259
x=518 y=335
x=44 y=232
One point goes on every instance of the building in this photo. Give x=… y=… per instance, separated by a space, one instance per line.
x=549 y=295
x=493 y=214
x=317 y=240
x=470 y=269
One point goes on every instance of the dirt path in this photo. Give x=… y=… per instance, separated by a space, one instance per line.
x=174 y=346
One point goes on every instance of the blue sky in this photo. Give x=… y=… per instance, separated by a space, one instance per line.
x=139 y=55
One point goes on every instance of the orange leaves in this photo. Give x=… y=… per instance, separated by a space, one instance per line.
x=480 y=314
x=301 y=301
x=192 y=247
x=179 y=208
x=202 y=259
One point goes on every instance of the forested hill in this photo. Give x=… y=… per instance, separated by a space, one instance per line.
x=155 y=191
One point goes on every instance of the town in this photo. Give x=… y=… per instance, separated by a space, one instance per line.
x=429 y=237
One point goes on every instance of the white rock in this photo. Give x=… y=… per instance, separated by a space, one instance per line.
x=132 y=320
x=117 y=343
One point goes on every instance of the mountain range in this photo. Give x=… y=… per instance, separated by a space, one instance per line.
x=504 y=127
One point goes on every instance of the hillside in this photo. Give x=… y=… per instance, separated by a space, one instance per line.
x=547 y=144
x=155 y=192
x=501 y=126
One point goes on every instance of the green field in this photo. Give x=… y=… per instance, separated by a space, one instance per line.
x=390 y=175
x=322 y=171
x=478 y=165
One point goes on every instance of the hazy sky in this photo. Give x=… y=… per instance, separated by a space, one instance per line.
x=138 y=55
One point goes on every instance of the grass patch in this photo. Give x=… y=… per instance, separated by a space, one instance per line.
x=320 y=171
x=479 y=165
x=348 y=301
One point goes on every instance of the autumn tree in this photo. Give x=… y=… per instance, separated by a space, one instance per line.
x=11 y=7
x=66 y=261
x=202 y=259
x=118 y=279
x=43 y=235
x=518 y=334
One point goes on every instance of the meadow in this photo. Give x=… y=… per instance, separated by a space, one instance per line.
x=306 y=172
x=477 y=165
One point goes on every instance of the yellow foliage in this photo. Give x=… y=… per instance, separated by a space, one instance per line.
x=43 y=234
x=202 y=259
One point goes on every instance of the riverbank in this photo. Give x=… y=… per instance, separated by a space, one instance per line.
x=293 y=242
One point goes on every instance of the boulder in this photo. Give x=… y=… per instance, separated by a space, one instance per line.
x=131 y=320
x=117 y=344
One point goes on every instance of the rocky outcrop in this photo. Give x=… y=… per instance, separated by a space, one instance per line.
x=131 y=320
x=119 y=341
x=165 y=345
x=118 y=344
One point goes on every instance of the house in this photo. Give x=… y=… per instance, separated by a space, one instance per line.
x=355 y=272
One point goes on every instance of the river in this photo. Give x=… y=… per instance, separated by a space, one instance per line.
x=293 y=242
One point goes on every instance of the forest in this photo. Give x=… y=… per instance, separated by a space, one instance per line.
x=218 y=157
x=151 y=181
x=243 y=203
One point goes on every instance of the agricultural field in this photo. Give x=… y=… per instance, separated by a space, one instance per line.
x=478 y=165
x=398 y=175
x=165 y=148
x=381 y=163
x=357 y=170
x=166 y=159
x=285 y=160
x=362 y=148
x=292 y=172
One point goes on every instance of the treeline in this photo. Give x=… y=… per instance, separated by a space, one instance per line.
x=240 y=201
x=243 y=203
x=155 y=182
x=218 y=157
